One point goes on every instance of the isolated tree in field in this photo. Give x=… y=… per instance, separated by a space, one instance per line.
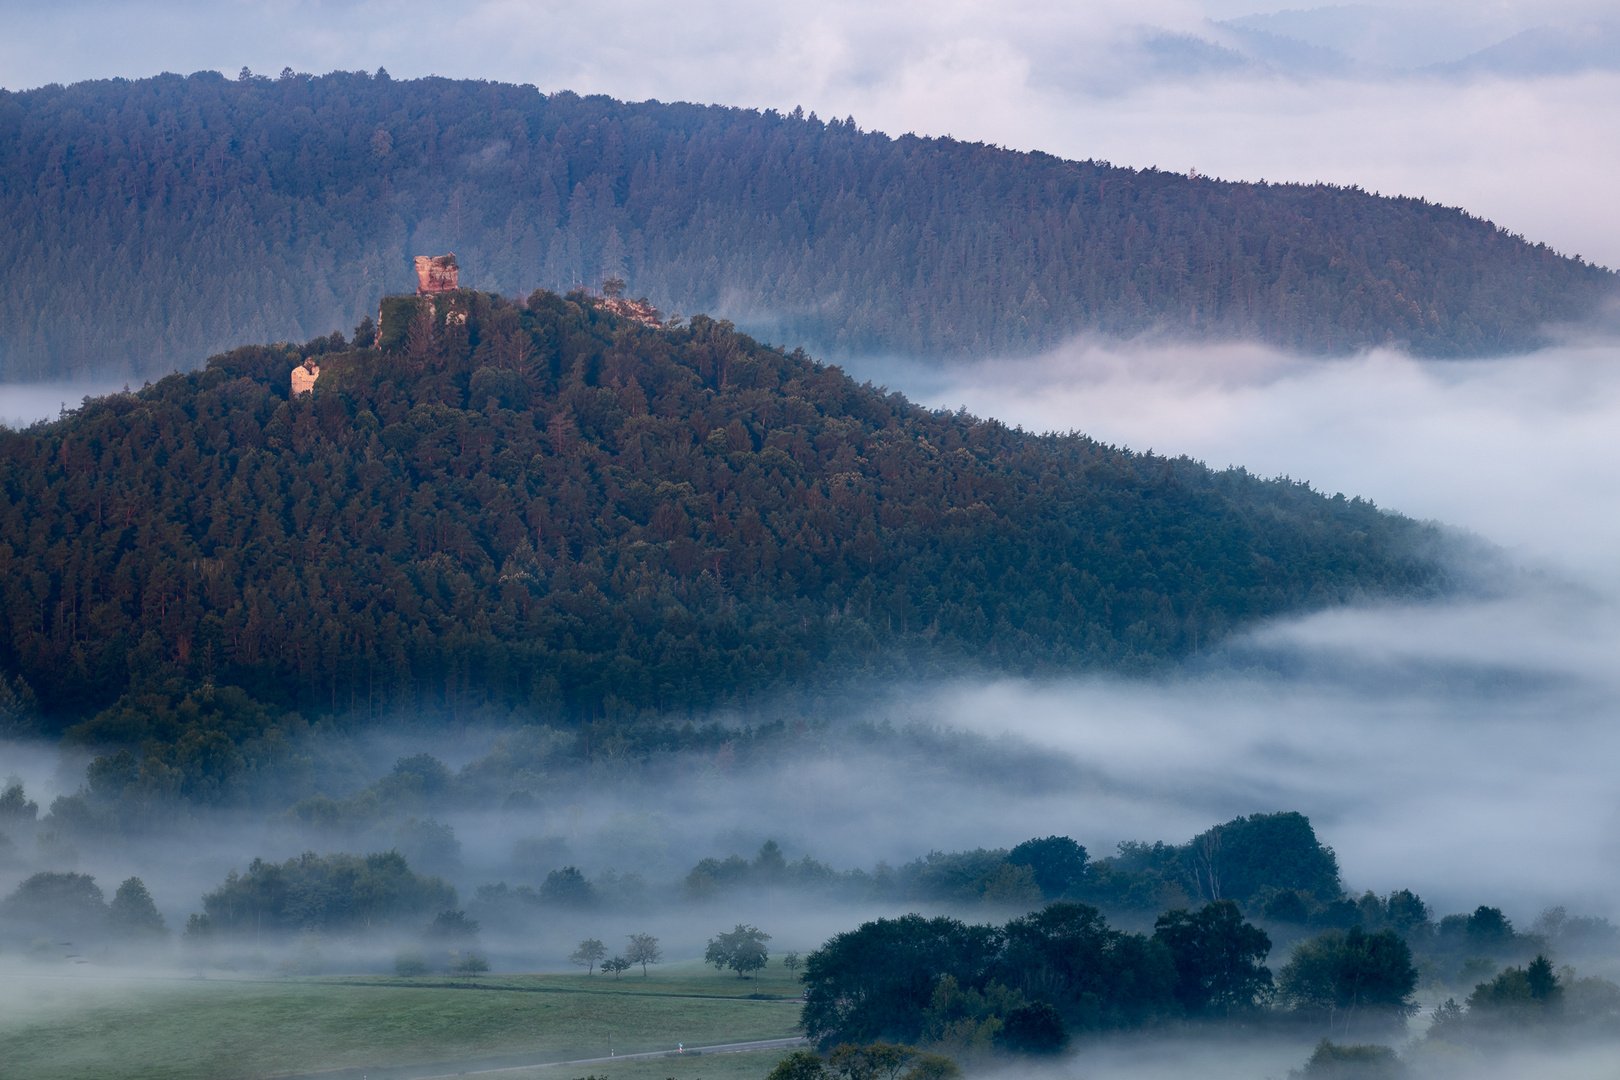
x=132 y=912
x=616 y=965
x=793 y=962
x=751 y=957
x=590 y=953
x=410 y=962
x=742 y=950
x=470 y=965
x=643 y=950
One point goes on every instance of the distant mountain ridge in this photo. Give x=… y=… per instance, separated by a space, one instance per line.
x=149 y=223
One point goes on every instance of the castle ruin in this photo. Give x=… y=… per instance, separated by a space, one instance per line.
x=436 y=274
x=304 y=376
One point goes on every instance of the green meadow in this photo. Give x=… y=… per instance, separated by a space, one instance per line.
x=224 y=1027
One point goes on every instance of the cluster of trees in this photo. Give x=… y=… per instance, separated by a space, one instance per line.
x=1027 y=984
x=1272 y=864
x=550 y=507
x=339 y=893
x=564 y=887
x=58 y=904
x=162 y=218
x=643 y=949
x=1532 y=999
x=871 y=1061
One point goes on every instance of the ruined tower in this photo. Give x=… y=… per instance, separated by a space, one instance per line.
x=304 y=376
x=436 y=274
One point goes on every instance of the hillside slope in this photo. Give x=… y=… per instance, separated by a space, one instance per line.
x=549 y=506
x=149 y=223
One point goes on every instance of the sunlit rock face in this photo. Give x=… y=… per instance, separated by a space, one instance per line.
x=436 y=274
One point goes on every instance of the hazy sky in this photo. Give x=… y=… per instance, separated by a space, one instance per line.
x=1329 y=93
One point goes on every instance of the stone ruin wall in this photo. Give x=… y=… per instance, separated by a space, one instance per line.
x=436 y=274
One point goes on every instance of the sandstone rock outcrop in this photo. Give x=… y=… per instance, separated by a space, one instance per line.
x=635 y=310
x=436 y=274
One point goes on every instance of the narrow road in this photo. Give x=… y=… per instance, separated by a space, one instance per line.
x=694 y=1051
x=489 y=1067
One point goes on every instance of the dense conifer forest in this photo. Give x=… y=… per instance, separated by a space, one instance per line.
x=543 y=504
x=148 y=223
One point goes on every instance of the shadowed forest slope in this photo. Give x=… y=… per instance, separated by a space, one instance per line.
x=149 y=223
x=550 y=506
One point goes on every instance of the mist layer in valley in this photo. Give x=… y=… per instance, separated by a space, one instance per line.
x=1459 y=748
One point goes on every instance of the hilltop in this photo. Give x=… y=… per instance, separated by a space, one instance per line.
x=149 y=223
x=546 y=505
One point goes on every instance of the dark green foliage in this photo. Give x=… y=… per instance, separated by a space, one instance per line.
x=567 y=887
x=1057 y=862
x=451 y=926
x=960 y=985
x=1338 y=976
x=16 y=808
x=1332 y=1061
x=877 y=981
x=1287 y=906
x=1036 y=1028
x=1530 y=999
x=799 y=1065
x=132 y=914
x=18 y=712
x=223 y=211
x=742 y=950
x=1406 y=913
x=954 y=876
x=671 y=520
x=1529 y=989
x=1096 y=977
x=330 y=894
x=1255 y=860
x=57 y=904
x=1488 y=930
x=1219 y=959
x=872 y=1061
x=1235 y=860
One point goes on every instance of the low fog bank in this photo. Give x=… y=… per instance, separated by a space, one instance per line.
x=1462 y=750
x=22 y=404
x=1423 y=740
x=1520 y=450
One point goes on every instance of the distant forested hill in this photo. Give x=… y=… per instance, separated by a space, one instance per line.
x=551 y=507
x=146 y=224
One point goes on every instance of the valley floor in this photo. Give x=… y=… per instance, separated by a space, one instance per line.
x=226 y=1026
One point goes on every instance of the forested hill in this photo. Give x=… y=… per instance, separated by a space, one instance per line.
x=551 y=507
x=146 y=224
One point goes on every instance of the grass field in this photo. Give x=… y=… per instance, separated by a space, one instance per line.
x=85 y=1025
